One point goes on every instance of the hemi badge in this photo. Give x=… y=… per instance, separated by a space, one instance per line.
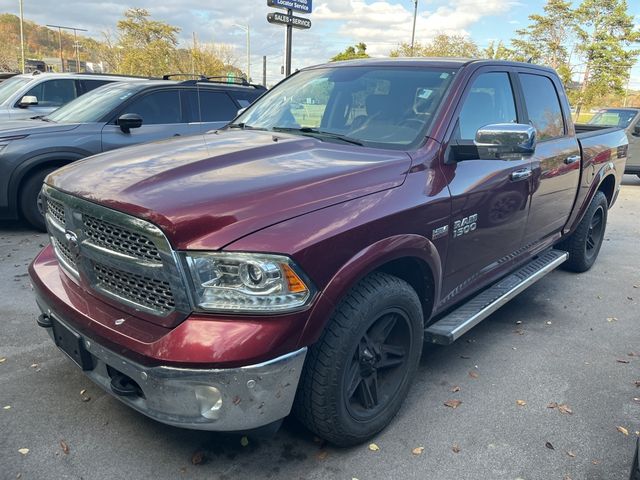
x=440 y=232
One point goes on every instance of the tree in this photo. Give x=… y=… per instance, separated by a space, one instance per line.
x=148 y=46
x=604 y=29
x=352 y=52
x=442 y=45
x=545 y=40
x=501 y=52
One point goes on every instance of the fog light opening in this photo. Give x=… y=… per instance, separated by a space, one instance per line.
x=209 y=400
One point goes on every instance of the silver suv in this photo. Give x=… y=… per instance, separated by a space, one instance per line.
x=33 y=94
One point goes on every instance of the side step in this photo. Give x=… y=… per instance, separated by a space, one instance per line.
x=448 y=329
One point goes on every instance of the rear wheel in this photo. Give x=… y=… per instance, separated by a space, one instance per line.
x=357 y=375
x=584 y=244
x=29 y=199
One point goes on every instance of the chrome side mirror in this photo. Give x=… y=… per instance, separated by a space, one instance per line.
x=28 y=101
x=505 y=140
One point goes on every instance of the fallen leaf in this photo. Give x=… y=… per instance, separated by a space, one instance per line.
x=552 y=405
x=564 y=408
x=322 y=454
x=629 y=298
x=417 y=450
x=548 y=323
x=473 y=374
x=521 y=403
x=6 y=407
x=455 y=448
x=595 y=462
x=622 y=360
x=83 y=391
x=452 y=403
x=636 y=399
x=566 y=477
x=622 y=430
x=373 y=447
x=64 y=447
x=571 y=454
x=519 y=322
x=244 y=441
x=549 y=446
x=456 y=389
x=3 y=359
x=197 y=458
x=637 y=382
x=34 y=365
x=23 y=451
x=612 y=319
x=636 y=286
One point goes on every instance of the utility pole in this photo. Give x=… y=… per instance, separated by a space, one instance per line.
x=264 y=70
x=413 y=32
x=22 y=35
x=77 y=46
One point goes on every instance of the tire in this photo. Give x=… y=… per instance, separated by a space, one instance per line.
x=584 y=244
x=28 y=199
x=357 y=375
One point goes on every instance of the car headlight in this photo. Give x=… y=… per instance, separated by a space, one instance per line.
x=246 y=282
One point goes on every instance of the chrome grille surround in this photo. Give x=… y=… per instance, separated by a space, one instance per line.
x=124 y=259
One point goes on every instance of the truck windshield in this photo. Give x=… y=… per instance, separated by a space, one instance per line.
x=9 y=87
x=384 y=107
x=613 y=118
x=95 y=105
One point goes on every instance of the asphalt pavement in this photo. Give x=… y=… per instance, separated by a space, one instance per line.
x=570 y=340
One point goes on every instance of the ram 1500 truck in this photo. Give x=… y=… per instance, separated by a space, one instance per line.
x=299 y=257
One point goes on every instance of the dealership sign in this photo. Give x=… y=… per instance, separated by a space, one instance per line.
x=284 y=19
x=303 y=6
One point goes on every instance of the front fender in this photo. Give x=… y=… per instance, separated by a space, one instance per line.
x=363 y=263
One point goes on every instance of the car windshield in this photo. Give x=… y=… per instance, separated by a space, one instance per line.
x=614 y=118
x=93 y=106
x=385 y=107
x=10 y=86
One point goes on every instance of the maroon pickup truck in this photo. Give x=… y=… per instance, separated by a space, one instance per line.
x=298 y=258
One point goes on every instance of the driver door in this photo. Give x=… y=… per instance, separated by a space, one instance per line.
x=162 y=115
x=489 y=197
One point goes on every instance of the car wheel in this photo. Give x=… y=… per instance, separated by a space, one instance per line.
x=584 y=244
x=359 y=372
x=30 y=197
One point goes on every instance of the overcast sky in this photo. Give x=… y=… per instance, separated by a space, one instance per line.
x=336 y=24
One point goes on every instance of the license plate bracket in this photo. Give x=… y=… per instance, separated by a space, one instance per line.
x=71 y=344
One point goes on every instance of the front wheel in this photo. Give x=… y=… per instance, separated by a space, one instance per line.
x=359 y=372
x=584 y=244
x=30 y=197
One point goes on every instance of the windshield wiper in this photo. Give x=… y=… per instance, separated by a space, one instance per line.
x=314 y=132
x=41 y=117
x=244 y=126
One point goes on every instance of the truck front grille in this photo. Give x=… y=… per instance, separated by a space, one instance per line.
x=113 y=237
x=124 y=259
x=154 y=294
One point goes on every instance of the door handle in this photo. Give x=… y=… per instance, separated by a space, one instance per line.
x=572 y=159
x=520 y=174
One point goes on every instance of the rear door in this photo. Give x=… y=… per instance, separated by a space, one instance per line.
x=209 y=109
x=556 y=162
x=489 y=197
x=163 y=116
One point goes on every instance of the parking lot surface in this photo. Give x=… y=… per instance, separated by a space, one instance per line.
x=570 y=340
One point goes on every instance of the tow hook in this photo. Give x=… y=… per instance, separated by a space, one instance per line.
x=123 y=385
x=44 y=321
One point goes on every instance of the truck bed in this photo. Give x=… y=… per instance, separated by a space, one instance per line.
x=585 y=130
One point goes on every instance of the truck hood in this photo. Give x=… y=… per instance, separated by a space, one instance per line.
x=207 y=191
x=31 y=127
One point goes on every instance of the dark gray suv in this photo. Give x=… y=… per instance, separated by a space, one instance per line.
x=113 y=116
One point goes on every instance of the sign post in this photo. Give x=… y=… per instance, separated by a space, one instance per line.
x=290 y=22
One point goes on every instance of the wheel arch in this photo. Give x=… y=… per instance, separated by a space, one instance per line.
x=413 y=258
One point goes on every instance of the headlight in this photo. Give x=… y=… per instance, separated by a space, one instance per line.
x=246 y=282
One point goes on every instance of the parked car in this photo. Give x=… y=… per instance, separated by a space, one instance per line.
x=629 y=120
x=289 y=261
x=113 y=116
x=635 y=467
x=37 y=93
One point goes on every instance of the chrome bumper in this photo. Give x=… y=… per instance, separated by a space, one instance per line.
x=231 y=399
